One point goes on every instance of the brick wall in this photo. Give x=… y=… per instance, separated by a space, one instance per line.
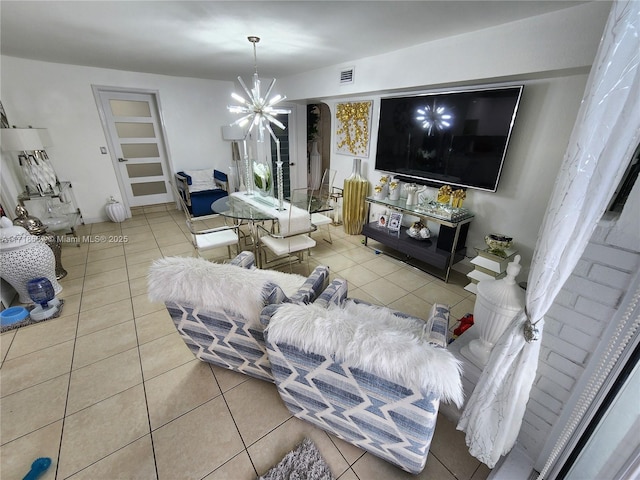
x=573 y=328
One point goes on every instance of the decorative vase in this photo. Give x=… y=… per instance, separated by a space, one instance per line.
x=115 y=211
x=262 y=178
x=394 y=190
x=316 y=167
x=497 y=304
x=356 y=189
x=35 y=226
x=23 y=257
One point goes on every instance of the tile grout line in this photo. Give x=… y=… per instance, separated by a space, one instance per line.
x=224 y=398
x=144 y=386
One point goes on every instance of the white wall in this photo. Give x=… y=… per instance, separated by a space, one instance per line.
x=547 y=112
x=60 y=98
x=550 y=54
x=537 y=47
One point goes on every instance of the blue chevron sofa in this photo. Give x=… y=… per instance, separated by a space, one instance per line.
x=216 y=307
x=369 y=375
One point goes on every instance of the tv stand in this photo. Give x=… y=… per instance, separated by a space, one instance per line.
x=441 y=251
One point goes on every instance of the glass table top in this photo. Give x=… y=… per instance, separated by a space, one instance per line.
x=233 y=206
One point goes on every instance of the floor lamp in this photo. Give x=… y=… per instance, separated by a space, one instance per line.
x=39 y=175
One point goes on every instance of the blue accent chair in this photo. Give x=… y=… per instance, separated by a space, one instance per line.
x=198 y=195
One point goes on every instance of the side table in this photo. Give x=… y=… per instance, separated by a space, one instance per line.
x=488 y=266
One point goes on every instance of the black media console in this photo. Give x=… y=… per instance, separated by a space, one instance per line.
x=445 y=247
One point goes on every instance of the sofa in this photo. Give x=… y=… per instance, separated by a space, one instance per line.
x=200 y=188
x=371 y=376
x=216 y=307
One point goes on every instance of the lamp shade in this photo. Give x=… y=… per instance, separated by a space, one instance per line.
x=21 y=139
x=232 y=132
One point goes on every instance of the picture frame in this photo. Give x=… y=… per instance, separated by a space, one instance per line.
x=395 y=221
x=383 y=221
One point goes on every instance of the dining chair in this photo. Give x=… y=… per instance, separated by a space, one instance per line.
x=323 y=199
x=204 y=238
x=290 y=237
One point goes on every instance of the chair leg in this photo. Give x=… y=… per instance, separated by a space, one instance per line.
x=329 y=233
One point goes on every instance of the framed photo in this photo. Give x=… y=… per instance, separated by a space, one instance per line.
x=395 y=221
x=383 y=221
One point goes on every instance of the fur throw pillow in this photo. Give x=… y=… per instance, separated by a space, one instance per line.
x=199 y=283
x=373 y=339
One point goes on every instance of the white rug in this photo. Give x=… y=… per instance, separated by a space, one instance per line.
x=303 y=463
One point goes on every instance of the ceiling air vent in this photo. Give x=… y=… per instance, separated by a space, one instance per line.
x=346 y=76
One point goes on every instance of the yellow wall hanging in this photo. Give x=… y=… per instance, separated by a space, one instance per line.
x=353 y=128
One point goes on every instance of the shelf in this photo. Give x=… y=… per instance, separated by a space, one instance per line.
x=436 y=212
x=424 y=250
x=441 y=251
x=56 y=208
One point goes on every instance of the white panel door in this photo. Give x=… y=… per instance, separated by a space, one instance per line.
x=132 y=122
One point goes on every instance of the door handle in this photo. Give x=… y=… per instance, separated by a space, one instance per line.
x=292 y=164
x=122 y=159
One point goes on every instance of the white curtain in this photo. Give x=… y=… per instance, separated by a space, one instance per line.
x=605 y=135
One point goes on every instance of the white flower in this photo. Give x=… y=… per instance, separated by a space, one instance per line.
x=262 y=175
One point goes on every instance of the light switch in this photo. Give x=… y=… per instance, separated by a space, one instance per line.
x=103 y=150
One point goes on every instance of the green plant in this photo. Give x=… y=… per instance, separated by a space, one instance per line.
x=313 y=118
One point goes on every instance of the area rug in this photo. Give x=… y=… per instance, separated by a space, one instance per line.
x=303 y=463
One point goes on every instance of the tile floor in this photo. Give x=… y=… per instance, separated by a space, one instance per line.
x=109 y=390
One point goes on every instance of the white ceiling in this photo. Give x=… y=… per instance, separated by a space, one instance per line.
x=208 y=39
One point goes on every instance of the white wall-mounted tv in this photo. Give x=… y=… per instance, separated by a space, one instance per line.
x=456 y=138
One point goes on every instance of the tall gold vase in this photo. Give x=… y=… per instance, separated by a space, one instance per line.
x=356 y=189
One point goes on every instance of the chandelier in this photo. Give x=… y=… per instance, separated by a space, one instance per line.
x=259 y=111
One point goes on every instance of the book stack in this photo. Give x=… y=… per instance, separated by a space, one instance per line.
x=488 y=266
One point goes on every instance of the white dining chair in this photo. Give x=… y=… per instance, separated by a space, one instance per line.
x=290 y=241
x=323 y=199
x=205 y=239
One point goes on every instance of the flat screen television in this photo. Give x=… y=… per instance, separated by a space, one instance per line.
x=456 y=138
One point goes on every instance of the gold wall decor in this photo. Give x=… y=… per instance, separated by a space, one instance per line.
x=353 y=128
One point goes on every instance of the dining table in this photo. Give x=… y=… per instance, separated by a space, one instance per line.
x=256 y=209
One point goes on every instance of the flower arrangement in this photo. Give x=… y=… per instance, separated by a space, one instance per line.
x=262 y=176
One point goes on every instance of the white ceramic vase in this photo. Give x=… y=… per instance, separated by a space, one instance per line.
x=115 y=211
x=24 y=257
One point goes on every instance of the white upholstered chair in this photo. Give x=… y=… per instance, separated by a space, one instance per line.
x=204 y=238
x=290 y=240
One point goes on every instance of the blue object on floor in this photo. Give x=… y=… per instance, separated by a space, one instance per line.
x=13 y=315
x=38 y=467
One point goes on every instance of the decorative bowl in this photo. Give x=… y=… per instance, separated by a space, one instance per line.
x=498 y=241
x=419 y=231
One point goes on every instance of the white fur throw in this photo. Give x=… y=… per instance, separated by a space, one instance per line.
x=200 y=283
x=373 y=339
